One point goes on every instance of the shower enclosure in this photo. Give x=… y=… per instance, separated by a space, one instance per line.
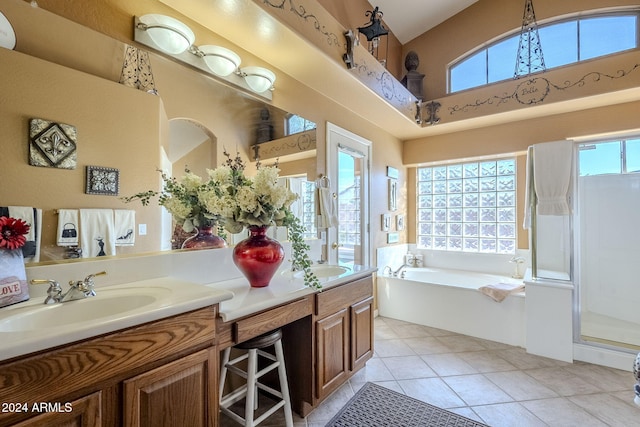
x=607 y=242
x=595 y=250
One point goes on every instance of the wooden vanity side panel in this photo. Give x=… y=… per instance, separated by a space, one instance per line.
x=97 y=363
x=334 y=299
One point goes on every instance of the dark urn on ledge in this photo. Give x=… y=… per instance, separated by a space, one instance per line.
x=413 y=80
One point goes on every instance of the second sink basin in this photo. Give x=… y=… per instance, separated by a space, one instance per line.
x=105 y=304
x=324 y=270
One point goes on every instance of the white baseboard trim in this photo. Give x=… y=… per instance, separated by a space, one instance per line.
x=604 y=357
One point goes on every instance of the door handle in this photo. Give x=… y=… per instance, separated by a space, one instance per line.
x=335 y=245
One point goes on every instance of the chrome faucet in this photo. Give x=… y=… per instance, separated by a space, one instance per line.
x=395 y=273
x=80 y=289
x=517 y=260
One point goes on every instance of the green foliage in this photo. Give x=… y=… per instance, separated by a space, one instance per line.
x=301 y=260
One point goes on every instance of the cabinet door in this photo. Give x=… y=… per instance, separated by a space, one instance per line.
x=361 y=333
x=333 y=352
x=181 y=393
x=84 y=412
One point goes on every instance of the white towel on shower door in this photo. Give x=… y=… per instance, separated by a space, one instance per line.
x=97 y=233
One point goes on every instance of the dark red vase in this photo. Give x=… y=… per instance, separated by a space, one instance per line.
x=258 y=257
x=204 y=239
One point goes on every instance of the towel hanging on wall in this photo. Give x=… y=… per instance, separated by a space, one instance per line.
x=97 y=232
x=31 y=249
x=68 y=234
x=125 y=223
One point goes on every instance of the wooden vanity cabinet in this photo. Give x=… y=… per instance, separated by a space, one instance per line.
x=344 y=333
x=162 y=373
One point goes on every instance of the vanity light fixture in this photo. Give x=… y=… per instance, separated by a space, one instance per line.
x=220 y=60
x=175 y=39
x=259 y=79
x=170 y=35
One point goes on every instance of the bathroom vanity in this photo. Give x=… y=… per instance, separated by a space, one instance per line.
x=158 y=363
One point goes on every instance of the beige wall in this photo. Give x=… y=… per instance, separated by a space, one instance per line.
x=484 y=21
x=116 y=126
x=351 y=14
x=182 y=94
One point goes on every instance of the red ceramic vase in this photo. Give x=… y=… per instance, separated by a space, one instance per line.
x=258 y=257
x=204 y=239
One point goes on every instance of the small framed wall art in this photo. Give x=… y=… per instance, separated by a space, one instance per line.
x=393 y=194
x=103 y=181
x=386 y=222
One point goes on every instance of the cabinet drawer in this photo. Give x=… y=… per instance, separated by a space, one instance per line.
x=332 y=300
x=272 y=319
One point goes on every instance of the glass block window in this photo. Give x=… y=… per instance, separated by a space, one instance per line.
x=308 y=199
x=468 y=207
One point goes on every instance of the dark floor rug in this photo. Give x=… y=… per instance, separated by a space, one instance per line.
x=378 y=406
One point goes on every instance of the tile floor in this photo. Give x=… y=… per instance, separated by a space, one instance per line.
x=494 y=383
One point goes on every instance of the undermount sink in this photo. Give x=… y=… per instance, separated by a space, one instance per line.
x=324 y=270
x=107 y=303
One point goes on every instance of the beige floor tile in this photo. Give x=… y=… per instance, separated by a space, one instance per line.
x=470 y=376
x=562 y=412
x=433 y=391
x=477 y=390
x=407 y=367
x=486 y=361
x=507 y=415
x=563 y=381
x=460 y=343
x=609 y=409
x=520 y=386
x=391 y=348
x=448 y=364
x=428 y=345
x=374 y=371
x=607 y=379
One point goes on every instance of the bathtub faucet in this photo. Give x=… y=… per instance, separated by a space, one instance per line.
x=398 y=271
x=517 y=260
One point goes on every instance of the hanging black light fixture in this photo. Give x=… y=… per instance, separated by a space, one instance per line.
x=373 y=31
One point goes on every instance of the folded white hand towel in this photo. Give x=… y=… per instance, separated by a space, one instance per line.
x=124 y=221
x=97 y=232
x=68 y=227
x=328 y=208
x=26 y=214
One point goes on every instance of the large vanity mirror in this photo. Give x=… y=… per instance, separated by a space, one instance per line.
x=127 y=132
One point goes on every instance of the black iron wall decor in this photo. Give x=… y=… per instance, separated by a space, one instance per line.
x=530 y=58
x=373 y=31
x=136 y=70
x=52 y=144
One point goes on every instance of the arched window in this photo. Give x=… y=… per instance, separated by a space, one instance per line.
x=563 y=42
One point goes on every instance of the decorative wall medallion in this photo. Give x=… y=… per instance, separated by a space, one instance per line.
x=52 y=144
x=105 y=181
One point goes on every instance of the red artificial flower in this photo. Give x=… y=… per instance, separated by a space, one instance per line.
x=12 y=231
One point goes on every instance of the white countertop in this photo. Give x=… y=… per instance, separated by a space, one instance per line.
x=282 y=289
x=169 y=296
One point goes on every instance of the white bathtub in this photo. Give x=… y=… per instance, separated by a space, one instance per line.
x=450 y=300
